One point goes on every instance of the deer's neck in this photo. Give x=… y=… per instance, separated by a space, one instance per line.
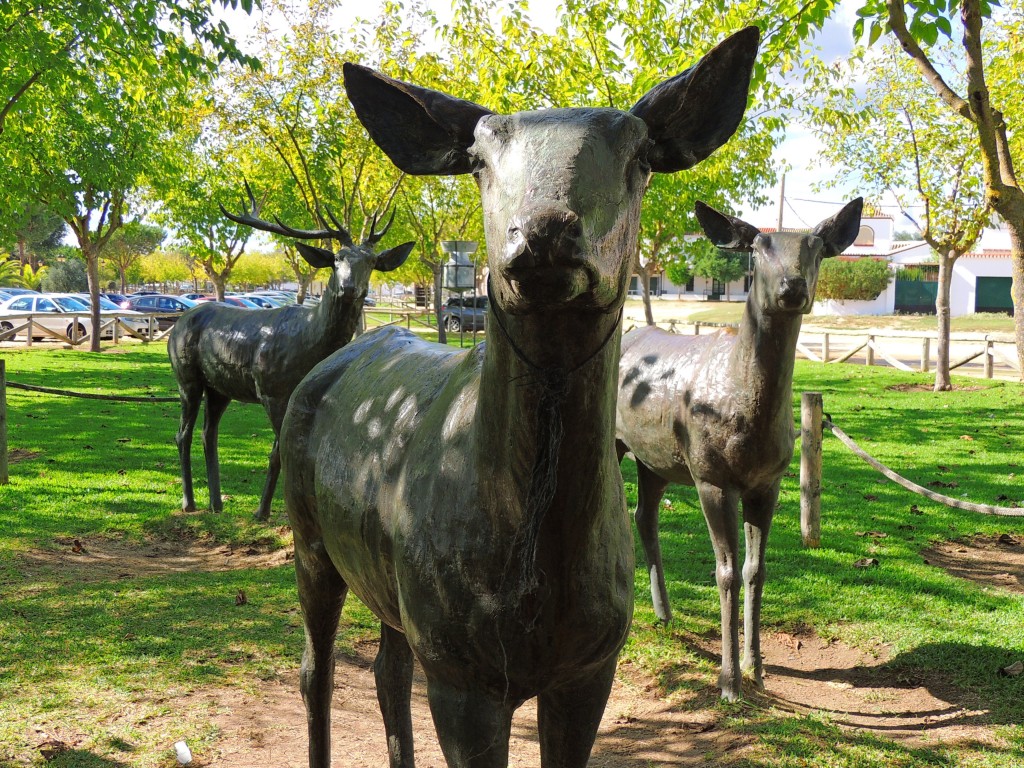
x=546 y=426
x=333 y=321
x=762 y=358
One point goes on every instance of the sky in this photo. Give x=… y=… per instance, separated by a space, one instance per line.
x=804 y=205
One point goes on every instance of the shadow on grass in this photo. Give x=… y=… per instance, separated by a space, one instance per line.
x=800 y=741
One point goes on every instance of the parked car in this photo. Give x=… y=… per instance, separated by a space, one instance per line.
x=50 y=312
x=170 y=308
x=196 y=296
x=19 y=291
x=109 y=308
x=118 y=298
x=464 y=313
x=264 y=300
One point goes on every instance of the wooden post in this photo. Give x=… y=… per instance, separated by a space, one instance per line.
x=925 y=362
x=810 y=469
x=151 y=334
x=988 y=358
x=869 y=352
x=696 y=329
x=825 y=352
x=4 y=477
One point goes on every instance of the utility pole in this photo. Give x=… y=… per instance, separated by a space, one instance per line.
x=782 y=199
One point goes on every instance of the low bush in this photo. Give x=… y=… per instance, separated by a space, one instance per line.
x=861 y=279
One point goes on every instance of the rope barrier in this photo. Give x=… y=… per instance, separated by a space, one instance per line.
x=91 y=396
x=949 y=501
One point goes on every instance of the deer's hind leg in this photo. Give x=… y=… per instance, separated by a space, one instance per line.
x=322 y=594
x=191 y=399
x=393 y=674
x=650 y=489
x=276 y=414
x=757 y=520
x=216 y=404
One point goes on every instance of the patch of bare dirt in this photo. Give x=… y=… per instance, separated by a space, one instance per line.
x=931 y=387
x=21 y=454
x=994 y=561
x=804 y=674
x=107 y=560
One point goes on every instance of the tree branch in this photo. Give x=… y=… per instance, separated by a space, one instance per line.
x=898 y=24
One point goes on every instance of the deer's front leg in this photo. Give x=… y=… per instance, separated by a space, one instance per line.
x=568 y=719
x=720 y=513
x=757 y=520
x=472 y=727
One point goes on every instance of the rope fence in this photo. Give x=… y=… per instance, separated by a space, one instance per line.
x=812 y=427
x=4 y=384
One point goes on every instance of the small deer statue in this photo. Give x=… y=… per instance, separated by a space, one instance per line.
x=472 y=499
x=716 y=412
x=259 y=356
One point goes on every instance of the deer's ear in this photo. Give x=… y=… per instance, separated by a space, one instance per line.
x=393 y=258
x=840 y=231
x=316 y=257
x=422 y=131
x=692 y=114
x=726 y=232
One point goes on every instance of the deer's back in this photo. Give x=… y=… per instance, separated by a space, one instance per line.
x=369 y=432
x=248 y=355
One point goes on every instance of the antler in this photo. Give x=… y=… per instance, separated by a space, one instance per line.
x=251 y=218
x=374 y=237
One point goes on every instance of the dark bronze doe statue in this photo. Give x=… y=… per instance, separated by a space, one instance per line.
x=472 y=499
x=259 y=356
x=716 y=412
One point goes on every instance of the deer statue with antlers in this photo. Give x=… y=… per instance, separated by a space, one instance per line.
x=229 y=353
x=716 y=412
x=472 y=499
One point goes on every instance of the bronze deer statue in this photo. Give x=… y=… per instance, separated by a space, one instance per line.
x=716 y=412
x=472 y=499
x=229 y=353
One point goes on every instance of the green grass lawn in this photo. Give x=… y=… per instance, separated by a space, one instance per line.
x=109 y=658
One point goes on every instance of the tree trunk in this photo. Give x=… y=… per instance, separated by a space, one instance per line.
x=645 y=292
x=219 y=282
x=437 y=269
x=92 y=267
x=942 y=380
x=21 y=252
x=124 y=280
x=1016 y=229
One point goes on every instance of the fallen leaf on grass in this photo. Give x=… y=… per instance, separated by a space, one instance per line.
x=866 y=562
x=966 y=437
x=915 y=510
x=873 y=534
x=943 y=484
x=124 y=439
x=870 y=497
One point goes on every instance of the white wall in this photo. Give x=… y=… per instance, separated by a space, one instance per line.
x=963 y=290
